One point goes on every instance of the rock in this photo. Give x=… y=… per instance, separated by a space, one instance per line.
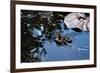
x=77 y=21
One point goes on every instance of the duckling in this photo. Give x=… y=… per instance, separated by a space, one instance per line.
x=58 y=39
x=61 y=40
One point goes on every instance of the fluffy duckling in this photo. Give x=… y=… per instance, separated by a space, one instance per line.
x=61 y=40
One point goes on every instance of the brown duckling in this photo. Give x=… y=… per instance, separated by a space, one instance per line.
x=61 y=40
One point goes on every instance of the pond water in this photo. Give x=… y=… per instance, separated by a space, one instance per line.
x=39 y=40
x=78 y=50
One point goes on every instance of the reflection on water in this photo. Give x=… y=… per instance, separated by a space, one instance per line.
x=44 y=37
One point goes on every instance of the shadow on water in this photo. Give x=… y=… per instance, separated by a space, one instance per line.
x=44 y=37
